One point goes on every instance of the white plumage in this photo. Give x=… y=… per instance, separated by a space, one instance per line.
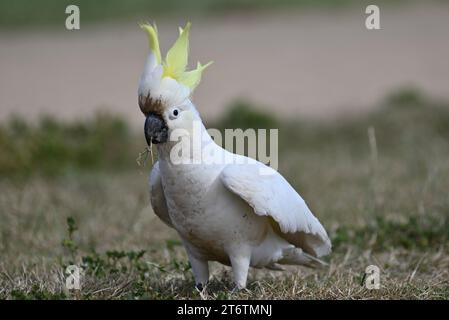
x=232 y=214
x=224 y=207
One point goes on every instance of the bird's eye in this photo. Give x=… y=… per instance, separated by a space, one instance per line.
x=174 y=113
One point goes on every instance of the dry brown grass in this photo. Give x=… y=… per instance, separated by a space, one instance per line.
x=112 y=213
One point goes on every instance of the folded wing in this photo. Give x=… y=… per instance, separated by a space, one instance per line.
x=271 y=195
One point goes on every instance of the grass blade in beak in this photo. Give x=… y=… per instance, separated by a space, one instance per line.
x=143 y=156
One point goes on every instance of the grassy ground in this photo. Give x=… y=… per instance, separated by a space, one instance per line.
x=73 y=193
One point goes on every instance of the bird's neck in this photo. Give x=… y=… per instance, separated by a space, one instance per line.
x=195 y=147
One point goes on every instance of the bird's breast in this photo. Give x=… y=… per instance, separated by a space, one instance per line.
x=206 y=214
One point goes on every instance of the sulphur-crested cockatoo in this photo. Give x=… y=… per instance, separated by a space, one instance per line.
x=224 y=207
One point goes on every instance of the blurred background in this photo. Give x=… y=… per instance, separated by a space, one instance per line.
x=363 y=118
x=298 y=58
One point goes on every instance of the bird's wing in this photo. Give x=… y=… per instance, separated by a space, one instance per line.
x=271 y=195
x=157 y=196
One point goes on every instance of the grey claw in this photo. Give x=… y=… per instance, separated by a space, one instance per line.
x=237 y=290
x=199 y=287
x=202 y=290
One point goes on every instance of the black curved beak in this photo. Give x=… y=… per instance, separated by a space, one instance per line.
x=156 y=131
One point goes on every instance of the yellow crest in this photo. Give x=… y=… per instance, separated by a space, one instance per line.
x=175 y=63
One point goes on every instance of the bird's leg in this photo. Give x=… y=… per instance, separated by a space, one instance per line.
x=200 y=271
x=240 y=266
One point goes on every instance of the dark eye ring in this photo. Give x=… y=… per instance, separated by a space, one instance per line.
x=175 y=112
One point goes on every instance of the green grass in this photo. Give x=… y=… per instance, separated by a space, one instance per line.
x=388 y=208
x=22 y=13
x=52 y=148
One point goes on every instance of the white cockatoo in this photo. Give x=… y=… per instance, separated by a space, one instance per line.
x=224 y=207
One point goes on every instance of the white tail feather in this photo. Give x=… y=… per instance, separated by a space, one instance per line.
x=296 y=256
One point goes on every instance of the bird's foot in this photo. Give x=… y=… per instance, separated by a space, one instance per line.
x=202 y=290
x=239 y=289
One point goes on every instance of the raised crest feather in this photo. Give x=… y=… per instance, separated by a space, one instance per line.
x=153 y=39
x=176 y=60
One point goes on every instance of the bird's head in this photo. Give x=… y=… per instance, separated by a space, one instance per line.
x=165 y=87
